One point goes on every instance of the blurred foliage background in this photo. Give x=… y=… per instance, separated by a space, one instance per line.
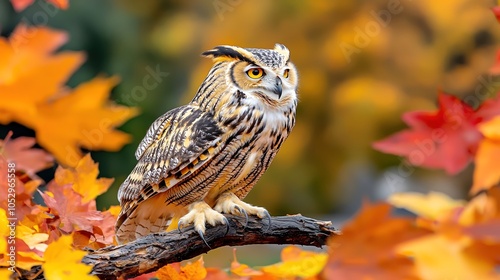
x=361 y=64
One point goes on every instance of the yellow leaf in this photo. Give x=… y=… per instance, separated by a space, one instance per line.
x=26 y=260
x=440 y=257
x=4 y=231
x=297 y=263
x=191 y=271
x=484 y=207
x=64 y=262
x=114 y=210
x=5 y=273
x=435 y=205
x=33 y=239
x=84 y=179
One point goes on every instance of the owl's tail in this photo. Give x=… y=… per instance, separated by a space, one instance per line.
x=142 y=219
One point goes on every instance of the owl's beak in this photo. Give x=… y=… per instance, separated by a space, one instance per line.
x=278 y=87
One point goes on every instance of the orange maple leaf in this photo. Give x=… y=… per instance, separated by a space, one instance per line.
x=77 y=120
x=487 y=171
x=20 y=5
x=464 y=235
x=63 y=120
x=191 y=271
x=27 y=53
x=367 y=247
x=83 y=179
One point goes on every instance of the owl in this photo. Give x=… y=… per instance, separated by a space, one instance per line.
x=200 y=160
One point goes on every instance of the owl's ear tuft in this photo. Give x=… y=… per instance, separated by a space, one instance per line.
x=281 y=49
x=229 y=52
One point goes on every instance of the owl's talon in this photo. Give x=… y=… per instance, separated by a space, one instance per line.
x=199 y=215
x=227 y=225
x=229 y=203
x=268 y=219
x=201 y=233
x=242 y=211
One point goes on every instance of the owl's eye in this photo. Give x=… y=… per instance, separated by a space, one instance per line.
x=285 y=74
x=255 y=73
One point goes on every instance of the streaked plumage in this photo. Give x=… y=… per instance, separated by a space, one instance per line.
x=209 y=154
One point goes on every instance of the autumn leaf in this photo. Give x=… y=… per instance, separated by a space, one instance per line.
x=26 y=158
x=441 y=257
x=70 y=212
x=27 y=53
x=191 y=271
x=297 y=263
x=26 y=257
x=242 y=270
x=34 y=240
x=4 y=231
x=464 y=235
x=367 y=247
x=86 y=122
x=5 y=273
x=114 y=210
x=64 y=262
x=20 y=5
x=64 y=120
x=23 y=190
x=447 y=138
x=435 y=205
x=483 y=207
x=83 y=179
x=487 y=171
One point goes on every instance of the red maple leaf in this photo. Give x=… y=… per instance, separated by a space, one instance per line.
x=447 y=138
x=70 y=213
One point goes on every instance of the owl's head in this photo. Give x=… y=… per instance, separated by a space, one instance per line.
x=266 y=74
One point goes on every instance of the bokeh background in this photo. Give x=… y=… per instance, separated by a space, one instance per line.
x=362 y=64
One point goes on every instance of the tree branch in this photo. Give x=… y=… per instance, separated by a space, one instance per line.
x=156 y=250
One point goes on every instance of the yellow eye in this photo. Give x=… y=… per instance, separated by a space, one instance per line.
x=255 y=73
x=285 y=74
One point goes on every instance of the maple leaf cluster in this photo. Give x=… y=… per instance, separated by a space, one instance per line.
x=51 y=235
x=451 y=138
x=64 y=119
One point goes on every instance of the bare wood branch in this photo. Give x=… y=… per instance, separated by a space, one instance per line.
x=156 y=250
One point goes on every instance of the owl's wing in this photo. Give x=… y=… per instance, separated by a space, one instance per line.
x=177 y=141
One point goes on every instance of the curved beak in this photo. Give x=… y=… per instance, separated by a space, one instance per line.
x=278 y=87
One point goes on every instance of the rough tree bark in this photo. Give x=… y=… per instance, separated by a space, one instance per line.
x=156 y=250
